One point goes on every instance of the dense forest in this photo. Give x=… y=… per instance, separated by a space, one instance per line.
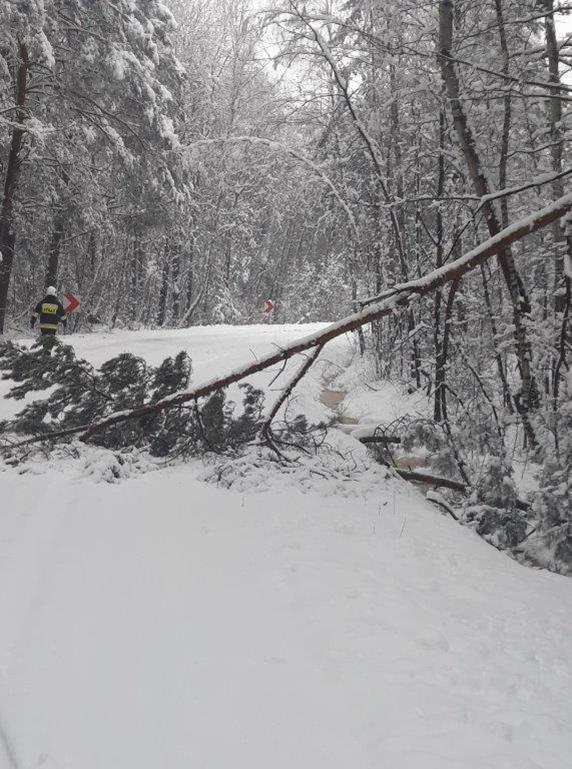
x=177 y=163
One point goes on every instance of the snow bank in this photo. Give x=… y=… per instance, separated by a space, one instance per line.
x=327 y=621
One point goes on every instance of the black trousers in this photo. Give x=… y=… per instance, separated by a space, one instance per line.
x=48 y=340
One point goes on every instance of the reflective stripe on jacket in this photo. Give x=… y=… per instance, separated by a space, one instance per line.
x=50 y=312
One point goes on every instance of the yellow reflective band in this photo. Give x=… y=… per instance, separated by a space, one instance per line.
x=49 y=309
x=48 y=326
x=64 y=317
x=34 y=314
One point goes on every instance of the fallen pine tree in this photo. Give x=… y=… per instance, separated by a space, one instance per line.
x=72 y=393
x=541 y=532
x=394 y=299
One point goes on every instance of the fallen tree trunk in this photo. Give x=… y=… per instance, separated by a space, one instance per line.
x=395 y=298
x=430 y=480
x=447 y=483
x=385 y=439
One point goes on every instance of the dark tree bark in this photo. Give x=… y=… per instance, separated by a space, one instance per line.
x=55 y=249
x=57 y=234
x=395 y=175
x=136 y=270
x=92 y=252
x=439 y=410
x=162 y=309
x=7 y=236
x=562 y=287
x=507 y=103
x=494 y=331
x=175 y=282
x=528 y=399
x=190 y=271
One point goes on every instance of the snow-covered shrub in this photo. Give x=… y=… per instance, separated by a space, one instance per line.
x=551 y=543
x=426 y=438
x=492 y=509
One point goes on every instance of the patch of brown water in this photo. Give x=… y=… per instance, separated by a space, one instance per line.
x=332 y=398
x=410 y=462
x=345 y=420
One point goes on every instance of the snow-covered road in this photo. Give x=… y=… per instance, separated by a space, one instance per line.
x=213 y=349
x=164 y=622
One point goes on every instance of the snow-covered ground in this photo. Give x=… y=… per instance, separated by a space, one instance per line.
x=343 y=623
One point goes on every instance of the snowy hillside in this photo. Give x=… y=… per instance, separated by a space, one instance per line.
x=289 y=621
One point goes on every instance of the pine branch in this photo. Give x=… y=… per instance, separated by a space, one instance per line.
x=265 y=431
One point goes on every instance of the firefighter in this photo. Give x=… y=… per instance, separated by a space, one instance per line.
x=50 y=312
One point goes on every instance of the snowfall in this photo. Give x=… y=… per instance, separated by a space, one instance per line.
x=312 y=618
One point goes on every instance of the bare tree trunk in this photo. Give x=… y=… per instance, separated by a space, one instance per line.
x=55 y=249
x=507 y=103
x=494 y=332
x=528 y=399
x=562 y=287
x=439 y=410
x=397 y=172
x=382 y=280
x=190 y=272
x=162 y=309
x=134 y=274
x=554 y=115
x=199 y=297
x=355 y=303
x=57 y=235
x=119 y=300
x=92 y=251
x=7 y=237
x=175 y=275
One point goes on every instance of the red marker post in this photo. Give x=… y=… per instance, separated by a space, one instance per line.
x=70 y=303
x=268 y=308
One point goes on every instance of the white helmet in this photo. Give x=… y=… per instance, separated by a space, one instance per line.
x=51 y=291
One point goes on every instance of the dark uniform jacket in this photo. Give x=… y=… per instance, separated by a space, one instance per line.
x=50 y=312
